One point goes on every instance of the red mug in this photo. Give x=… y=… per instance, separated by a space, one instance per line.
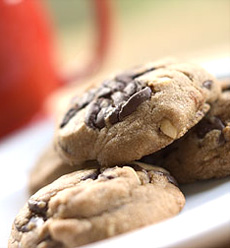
x=27 y=66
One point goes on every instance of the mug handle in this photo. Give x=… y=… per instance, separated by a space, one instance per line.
x=103 y=16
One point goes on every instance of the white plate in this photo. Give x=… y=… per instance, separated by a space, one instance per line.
x=204 y=222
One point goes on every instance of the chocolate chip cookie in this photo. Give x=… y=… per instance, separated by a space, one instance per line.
x=135 y=113
x=94 y=204
x=50 y=167
x=204 y=152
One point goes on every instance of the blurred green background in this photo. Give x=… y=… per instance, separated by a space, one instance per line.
x=144 y=30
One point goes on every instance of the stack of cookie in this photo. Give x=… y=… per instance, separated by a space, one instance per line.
x=114 y=144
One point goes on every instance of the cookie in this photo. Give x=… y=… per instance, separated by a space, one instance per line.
x=135 y=113
x=92 y=204
x=56 y=104
x=50 y=167
x=204 y=152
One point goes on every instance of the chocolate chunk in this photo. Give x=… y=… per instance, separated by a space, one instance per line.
x=115 y=99
x=114 y=116
x=170 y=178
x=96 y=114
x=91 y=114
x=125 y=78
x=208 y=84
x=93 y=175
x=104 y=92
x=100 y=121
x=68 y=116
x=37 y=207
x=82 y=102
x=86 y=99
x=115 y=85
x=107 y=177
x=118 y=97
x=207 y=125
x=104 y=103
x=131 y=88
x=134 y=101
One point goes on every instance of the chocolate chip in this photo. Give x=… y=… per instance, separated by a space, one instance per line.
x=115 y=99
x=37 y=207
x=134 y=101
x=207 y=125
x=86 y=99
x=110 y=177
x=208 y=84
x=118 y=97
x=68 y=116
x=93 y=175
x=104 y=92
x=100 y=121
x=104 y=103
x=114 y=116
x=92 y=114
x=115 y=85
x=166 y=174
x=107 y=177
x=125 y=78
x=170 y=178
x=131 y=88
x=82 y=102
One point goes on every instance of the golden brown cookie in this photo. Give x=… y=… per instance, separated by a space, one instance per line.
x=204 y=152
x=92 y=204
x=135 y=113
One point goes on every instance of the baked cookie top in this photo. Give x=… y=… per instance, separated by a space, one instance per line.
x=204 y=152
x=93 y=204
x=135 y=113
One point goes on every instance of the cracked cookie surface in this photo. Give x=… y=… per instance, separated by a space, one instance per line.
x=204 y=152
x=135 y=113
x=94 y=204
